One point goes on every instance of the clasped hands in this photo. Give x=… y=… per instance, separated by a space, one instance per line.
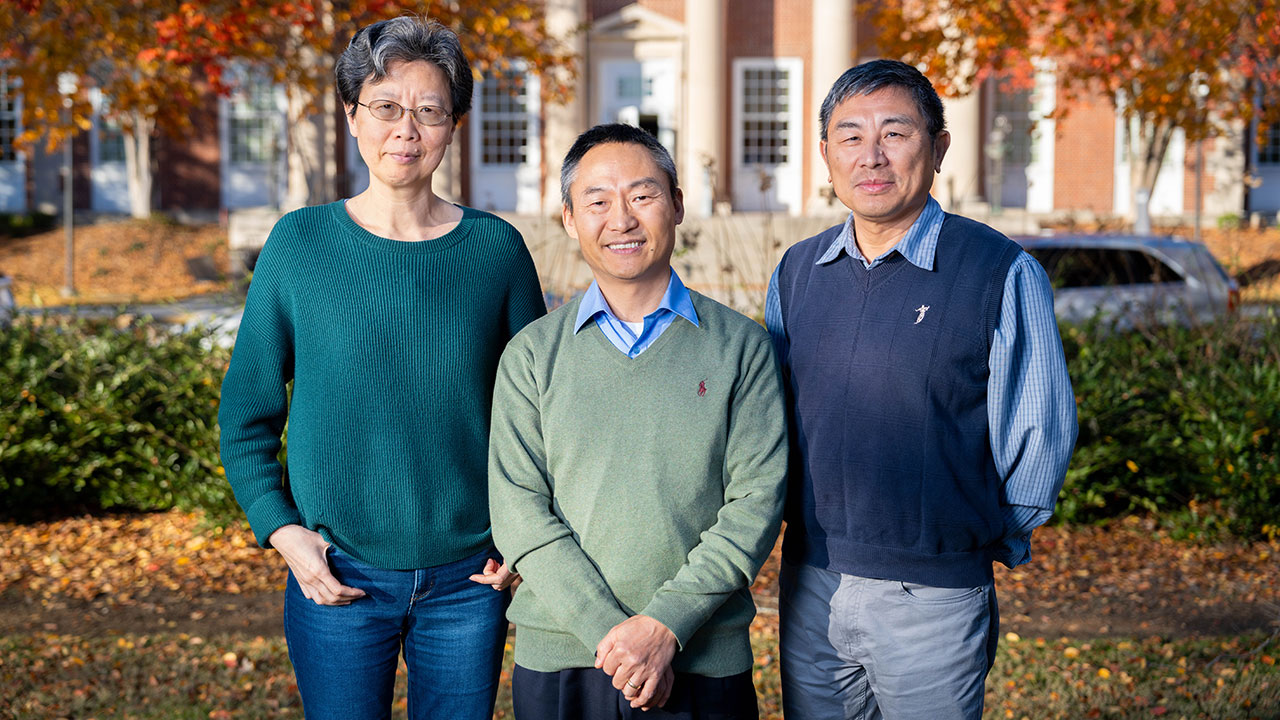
x=637 y=654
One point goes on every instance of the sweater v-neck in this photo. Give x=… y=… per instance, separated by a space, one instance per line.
x=869 y=278
x=635 y=362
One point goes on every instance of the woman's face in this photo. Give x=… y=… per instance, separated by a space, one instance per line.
x=402 y=153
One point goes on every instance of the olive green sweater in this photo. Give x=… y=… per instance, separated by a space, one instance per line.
x=392 y=348
x=650 y=486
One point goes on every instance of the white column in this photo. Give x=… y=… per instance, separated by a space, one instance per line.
x=833 y=46
x=563 y=122
x=958 y=183
x=706 y=108
x=446 y=181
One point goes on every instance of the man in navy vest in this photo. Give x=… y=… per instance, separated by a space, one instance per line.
x=932 y=414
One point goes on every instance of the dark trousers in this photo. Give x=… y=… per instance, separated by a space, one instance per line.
x=588 y=694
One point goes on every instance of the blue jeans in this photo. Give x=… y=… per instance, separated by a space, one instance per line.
x=452 y=632
x=865 y=649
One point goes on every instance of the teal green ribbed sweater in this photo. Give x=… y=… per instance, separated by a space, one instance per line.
x=651 y=485
x=392 y=349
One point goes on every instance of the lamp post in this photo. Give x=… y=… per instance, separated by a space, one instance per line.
x=1200 y=91
x=67 y=88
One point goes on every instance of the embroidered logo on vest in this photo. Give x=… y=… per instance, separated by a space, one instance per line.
x=702 y=388
x=922 y=310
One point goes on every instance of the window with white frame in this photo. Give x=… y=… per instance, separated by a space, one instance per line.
x=504 y=131
x=1015 y=109
x=767 y=159
x=254 y=117
x=766 y=115
x=110 y=136
x=1269 y=148
x=504 y=124
x=635 y=88
x=9 y=121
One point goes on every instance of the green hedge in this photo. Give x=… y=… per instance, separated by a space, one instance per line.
x=1176 y=421
x=92 y=416
x=23 y=224
x=1180 y=421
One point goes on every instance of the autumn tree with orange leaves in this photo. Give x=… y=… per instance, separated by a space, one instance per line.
x=154 y=61
x=1209 y=67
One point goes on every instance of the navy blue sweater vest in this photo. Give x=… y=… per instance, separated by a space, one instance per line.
x=892 y=475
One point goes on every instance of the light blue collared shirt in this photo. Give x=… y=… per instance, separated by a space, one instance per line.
x=675 y=302
x=1031 y=410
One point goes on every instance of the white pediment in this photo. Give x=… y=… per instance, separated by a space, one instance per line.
x=634 y=22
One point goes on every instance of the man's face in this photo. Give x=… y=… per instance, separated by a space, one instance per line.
x=881 y=157
x=624 y=215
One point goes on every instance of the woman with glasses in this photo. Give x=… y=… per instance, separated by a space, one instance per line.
x=388 y=312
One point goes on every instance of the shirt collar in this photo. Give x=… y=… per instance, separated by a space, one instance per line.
x=918 y=246
x=676 y=299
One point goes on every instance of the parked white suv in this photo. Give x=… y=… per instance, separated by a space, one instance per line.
x=1134 y=279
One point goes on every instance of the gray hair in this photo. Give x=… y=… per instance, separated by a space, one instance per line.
x=613 y=133
x=404 y=39
x=871 y=76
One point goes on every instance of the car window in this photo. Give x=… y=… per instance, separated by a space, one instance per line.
x=1093 y=267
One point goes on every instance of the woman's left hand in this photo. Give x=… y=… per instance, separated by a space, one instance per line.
x=498 y=577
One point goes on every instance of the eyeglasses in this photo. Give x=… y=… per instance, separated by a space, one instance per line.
x=426 y=115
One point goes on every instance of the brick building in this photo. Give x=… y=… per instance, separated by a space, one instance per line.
x=731 y=87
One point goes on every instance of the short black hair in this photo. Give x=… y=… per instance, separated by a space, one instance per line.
x=875 y=75
x=613 y=133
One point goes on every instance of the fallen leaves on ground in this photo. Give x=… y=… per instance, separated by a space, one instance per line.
x=1126 y=569
x=165 y=676
x=121 y=559
x=147 y=676
x=117 y=261
x=1127 y=576
x=1211 y=678
x=1251 y=255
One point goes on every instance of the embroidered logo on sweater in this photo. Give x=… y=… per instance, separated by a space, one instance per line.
x=922 y=310
x=702 y=388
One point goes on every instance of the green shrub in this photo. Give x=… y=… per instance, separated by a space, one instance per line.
x=1179 y=421
x=23 y=224
x=1176 y=421
x=96 y=417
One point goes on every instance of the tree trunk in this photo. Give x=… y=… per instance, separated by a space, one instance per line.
x=137 y=163
x=310 y=168
x=1148 y=141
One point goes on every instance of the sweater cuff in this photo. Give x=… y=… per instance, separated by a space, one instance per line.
x=671 y=609
x=269 y=513
x=591 y=630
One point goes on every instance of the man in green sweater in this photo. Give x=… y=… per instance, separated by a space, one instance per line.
x=637 y=457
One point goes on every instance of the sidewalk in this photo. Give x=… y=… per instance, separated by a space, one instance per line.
x=221 y=311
